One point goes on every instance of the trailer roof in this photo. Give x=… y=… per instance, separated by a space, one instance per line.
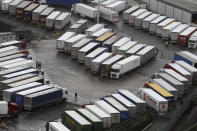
x=19 y=64
x=5 y=49
x=47 y=11
x=112 y=59
x=181 y=28
x=88 y=46
x=186 y=66
x=94 y=27
x=116 y=104
x=188 y=55
x=154 y=94
x=14 y=89
x=106 y=106
x=82 y=42
x=74 y=26
x=138 y=12
x=7 y=1
x=86 y=6
x=97 y=111
x=136 y=48
x=81 y=21
x=151 y=17
x=12 y=61
x=105 y=36
x=131 y=9
x=24 y=4
x=164 y=84
x=66 y=36
x=36 y=89
x=166 y=22
x=123 y=100
x=130 y=96
x=145 y=50
x=78 y=118
x=160 y=90
x=101 y=32
x=58 y=126
x=172 y=26
x=63 y=15
x=170 y=78
x=31 y=7
x=19 y=55
x=96 y=52
x=188 y=31
x=144 y=15
x=180 y=69
x=16 y=2
x=11 y=70
x=111 y=40
x=175 y=75
x=40 y=8
x=158 y=19
x=107 y=2
x=122 y=41
x=102 y=57
x=31 y=70
x=128 y=59
x=128 y=45
x=54 y=15
x=89 y=115
x=107 y=10
x=9 y=43
x=115 y=4
x=76 y=38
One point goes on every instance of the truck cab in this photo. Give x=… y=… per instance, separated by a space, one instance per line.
x=115 y=71
x=192 y=42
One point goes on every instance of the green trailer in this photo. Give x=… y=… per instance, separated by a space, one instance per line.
x=97 y=124
x=75 y=121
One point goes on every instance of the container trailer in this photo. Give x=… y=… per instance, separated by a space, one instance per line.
x=177 y=76
x=11 y=43
x=140 y=104
x=109 y=42
x=5 y=5
x=85 y=10
x=45 y=14
x=161 y=91
x=86 y=50
x=124 y=112
x=134 y=50
x=126 y=13
x=78 y=46
x=37 y=12
x=62 y=20
x=93 y=29
x=96 y=63
x=94 y=54
x=44 y=97
x=62 y=39
x=29 y=10
x=106 y=65
x=11 y=50
x=50 y=19
x=124 y=66
x=107 y=108
x=154 y=100
x=174 y=35
x=9 y=94
x=146 y=22
x=166 y=86
x=139 y=19
x=180 y=70
x=100 y=33
x=19 y=97
x=109 y=15
x=107 y=2
x=7 y=36
x=123 y=49
x=163 y=24
x=62 y=2
x=190 y=69
x=14 y=56
x=97 y=124
x=119 y=43
x=146 y=54
x=173 y=82
x=117 y=6
x=153 y=24
x=79 y=27
x=11 y=61
x=166 y=31
x=185 y=35
x=56 y=126
x=186 y=56
x=71 y=41
x=84 y=24
x=75 y=121
x=134 y=15
x=8 y=110
x=104 y=37
x=130 y=106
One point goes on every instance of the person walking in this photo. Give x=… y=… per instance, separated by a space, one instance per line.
x=166 y=43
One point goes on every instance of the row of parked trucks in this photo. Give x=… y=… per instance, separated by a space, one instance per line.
x=167 y=28
x=102 y=114
x=104 y=52
x=36 y=13
x=22 y=81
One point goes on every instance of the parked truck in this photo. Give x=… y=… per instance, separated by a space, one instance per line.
x=124 y=66
x=126 y=13
x=104 y=37
x=7 y=36
x=79 y=27
x=106 y=65
x=174 y=35
x=14 y=56
x=107 y=2
x=139 y=19
x=12 y=7
x=192 y=42
x=96 y=63
x=134 y=50
x=8 y=109
x=29 y=11
x=185 y=35
x=109 y=42
x=134 y=15
x=93 y=29
x=117 y=6
x=163 y=24
x=5 y=5
x=119 y=43
x=146 y=22
x=62 y=20
x=153 y=24
x=123 y=49
x=36 y=13
x=20 y=8
x=50 y=20
x=45 y=14
x=12 y=43
x=109 y=15
x=99 y=33
x=56 y=126
x=154 y=100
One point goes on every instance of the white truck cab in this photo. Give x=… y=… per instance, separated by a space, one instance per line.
x=115 y=71
x=192 y=42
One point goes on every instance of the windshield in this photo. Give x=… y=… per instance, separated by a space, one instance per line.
x=191 y=41
x=115 y=70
